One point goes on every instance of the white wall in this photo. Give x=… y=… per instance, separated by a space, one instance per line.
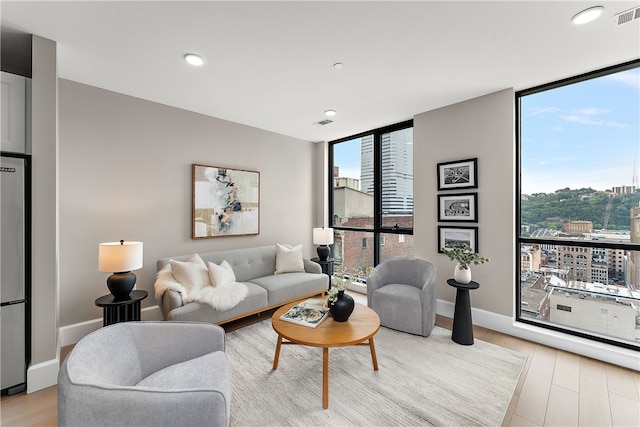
x=125 y=173
x=481 y=128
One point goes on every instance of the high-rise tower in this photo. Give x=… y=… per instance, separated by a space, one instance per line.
x=397 y=170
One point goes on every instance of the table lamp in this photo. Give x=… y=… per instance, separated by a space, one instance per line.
x=323 y=237
x=120 y=258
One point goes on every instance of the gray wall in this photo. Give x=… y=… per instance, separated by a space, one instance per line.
x=321 y=185
x=44 y=146
x=125 y=173
x=483 y=128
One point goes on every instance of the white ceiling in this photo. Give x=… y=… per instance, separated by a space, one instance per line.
x=270 y=64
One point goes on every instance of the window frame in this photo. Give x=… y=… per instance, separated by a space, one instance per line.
x=378 y=227
x=519 y=240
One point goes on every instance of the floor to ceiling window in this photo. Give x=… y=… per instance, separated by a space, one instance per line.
x=371 y=199
x=578 y=241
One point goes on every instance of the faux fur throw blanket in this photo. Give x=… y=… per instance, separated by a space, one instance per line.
x=221 y=298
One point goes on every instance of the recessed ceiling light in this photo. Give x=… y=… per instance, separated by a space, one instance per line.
x=587 y=15
x=338 y=65
x=194 y=59
x=330 y=113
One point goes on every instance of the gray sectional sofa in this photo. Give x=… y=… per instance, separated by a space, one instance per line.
x=255 y=267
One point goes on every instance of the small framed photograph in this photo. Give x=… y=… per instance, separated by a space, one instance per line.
x=451 y=237
x=458 y=174
x=458 y=207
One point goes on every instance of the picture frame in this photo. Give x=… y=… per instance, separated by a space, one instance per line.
x=225 y=202
x=450 y=237
x=458 y=174
x=458 y=207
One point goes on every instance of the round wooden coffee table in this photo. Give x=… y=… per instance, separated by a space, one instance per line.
x=361 y=326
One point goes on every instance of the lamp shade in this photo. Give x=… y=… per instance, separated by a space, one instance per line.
x=323 y=236
x=116 y=257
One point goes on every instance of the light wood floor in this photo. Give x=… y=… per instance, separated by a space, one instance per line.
x=556 y=388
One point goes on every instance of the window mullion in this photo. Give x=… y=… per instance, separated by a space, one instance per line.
x=377 y=200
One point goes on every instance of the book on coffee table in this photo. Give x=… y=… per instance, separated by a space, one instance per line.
x=308 y=313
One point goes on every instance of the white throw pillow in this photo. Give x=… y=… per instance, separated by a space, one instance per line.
x=191 y=274
x=221 y=274
x=289 y=259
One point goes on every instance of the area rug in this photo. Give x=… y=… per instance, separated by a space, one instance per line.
x=420 y=381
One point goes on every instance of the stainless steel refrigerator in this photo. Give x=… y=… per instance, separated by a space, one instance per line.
x=15 y=271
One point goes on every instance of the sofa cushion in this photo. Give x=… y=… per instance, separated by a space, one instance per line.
x=207 y=372
x=221 y=274
x=255 y=301
x=192 y=274
x=247 y=263
x=283 y=288
x=288 y=259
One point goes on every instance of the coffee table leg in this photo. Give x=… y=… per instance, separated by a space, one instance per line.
x=277 y=355
x=325 y=377
x=373 y=354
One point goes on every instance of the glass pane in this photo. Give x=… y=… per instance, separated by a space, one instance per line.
x=353 y=183
x=397 y=178
x=585 y=289
x=579 y=185
x=394 y=245
x=353 y=249
x=579 y=157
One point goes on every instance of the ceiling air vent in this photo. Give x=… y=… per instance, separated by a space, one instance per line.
x=627 y=16
x=323 y=122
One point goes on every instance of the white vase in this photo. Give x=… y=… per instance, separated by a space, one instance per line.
x=462 y=276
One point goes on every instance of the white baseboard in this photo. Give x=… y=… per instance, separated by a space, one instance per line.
x=497 y=322
x=71 y=334
x=42 y=375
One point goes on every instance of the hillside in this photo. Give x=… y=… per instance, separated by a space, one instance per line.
x=585 y=204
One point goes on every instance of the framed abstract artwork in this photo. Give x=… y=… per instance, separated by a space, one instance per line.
x=458 y=174
x=225 y=202
x=451 y=237
x=458 y=207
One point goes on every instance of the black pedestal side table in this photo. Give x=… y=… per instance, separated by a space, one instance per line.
x=121 y=310
x=462 y=324
x=327 y=267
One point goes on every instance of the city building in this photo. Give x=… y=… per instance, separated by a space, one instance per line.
x=352 y=183
x=601 y=309
x=634 y=256
x=624 y=189
x=397 y=170
x=530 y=258
x=578 y=227
x=350 y=203
x=577 y=260
x=353 y=249
x=533 y=296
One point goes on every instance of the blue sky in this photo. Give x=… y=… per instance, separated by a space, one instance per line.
x=347 y=156
x=582 y=135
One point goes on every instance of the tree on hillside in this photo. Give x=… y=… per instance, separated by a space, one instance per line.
x=584 y=204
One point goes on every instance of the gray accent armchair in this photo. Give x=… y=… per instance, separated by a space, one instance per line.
x=403 y=293
x=146 y=374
